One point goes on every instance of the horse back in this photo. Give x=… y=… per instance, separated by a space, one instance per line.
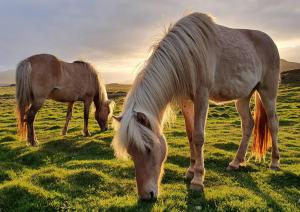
x=78 y=81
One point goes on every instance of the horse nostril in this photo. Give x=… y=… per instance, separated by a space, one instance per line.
x=103 y=129
x=151 y=194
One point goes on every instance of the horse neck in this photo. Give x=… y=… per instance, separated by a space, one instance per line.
x=101 y=96
x=151 y=96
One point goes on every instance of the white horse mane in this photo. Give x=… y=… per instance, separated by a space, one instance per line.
x=169 y=73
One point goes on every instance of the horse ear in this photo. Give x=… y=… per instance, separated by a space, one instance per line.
x=117 y=118
x=142 y=119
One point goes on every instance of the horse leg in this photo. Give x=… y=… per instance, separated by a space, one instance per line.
x=269 y=104
x=34 y=108
x=200 y=108
x=68 y=118
x=242 y=106
x=87 y=104
x=187 y=108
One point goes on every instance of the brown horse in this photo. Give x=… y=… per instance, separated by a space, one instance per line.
x=44 y=76
x=197 y=61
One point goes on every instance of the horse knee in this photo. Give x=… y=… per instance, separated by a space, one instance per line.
x=190 y=138
x=198 y=140
x=30 y=116
x=248 y=124
x=200 y=170
x=250 y=127
x=69 y=116
x=273 y=123
x=251 y=124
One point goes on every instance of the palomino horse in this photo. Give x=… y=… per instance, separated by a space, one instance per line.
x=44 y=76
x=197 y=61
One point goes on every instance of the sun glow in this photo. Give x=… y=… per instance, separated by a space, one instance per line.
x=288 y=43
x=123 y=69
x=129 y=65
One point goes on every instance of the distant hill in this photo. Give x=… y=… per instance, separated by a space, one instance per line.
x=8 y=77
x=118 y=77
x=287 y=66
x=291 y=77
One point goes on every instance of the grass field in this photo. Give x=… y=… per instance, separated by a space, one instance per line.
x=74 y=172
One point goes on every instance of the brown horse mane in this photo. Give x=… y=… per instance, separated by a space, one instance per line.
x=101 y=86
x=81 y=62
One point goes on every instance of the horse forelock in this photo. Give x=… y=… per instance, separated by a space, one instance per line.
x=176 y=64
x=130 y=132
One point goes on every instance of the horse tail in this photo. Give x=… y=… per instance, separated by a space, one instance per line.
x=262 y=136
x=23 y=95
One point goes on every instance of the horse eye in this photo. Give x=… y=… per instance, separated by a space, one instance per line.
x=148 y=150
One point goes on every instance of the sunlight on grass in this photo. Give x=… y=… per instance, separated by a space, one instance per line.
x=75 y=172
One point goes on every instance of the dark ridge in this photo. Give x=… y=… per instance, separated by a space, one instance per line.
x=80 y=62
x=291 y=77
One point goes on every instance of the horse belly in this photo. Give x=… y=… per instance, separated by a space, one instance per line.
x=233 y=85
x=230 y=93
x=65 y=95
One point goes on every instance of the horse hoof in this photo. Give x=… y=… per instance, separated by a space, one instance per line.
x=232 y=168
x=63 y=133
x=274 y=168
x=86 y=134
x=189 y=175
x=33 y=144
x=197 y=187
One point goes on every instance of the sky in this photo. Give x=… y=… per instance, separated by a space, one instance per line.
x=116 y=35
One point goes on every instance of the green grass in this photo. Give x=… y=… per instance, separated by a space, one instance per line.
x=74 y=172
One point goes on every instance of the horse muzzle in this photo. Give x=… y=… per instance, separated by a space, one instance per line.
x=149 y=196
x=103 y=129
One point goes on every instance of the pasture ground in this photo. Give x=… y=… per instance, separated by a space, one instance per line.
x=74 y=172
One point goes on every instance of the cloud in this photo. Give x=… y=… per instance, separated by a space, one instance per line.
x=119 y=33
x=293 y=53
